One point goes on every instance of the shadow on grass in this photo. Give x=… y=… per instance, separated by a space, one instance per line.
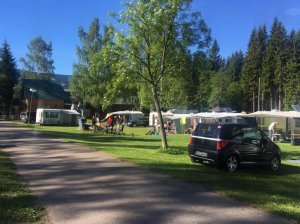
x=96 y=137
x=291 y=154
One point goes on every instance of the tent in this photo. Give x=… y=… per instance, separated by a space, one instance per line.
x=220 y=117
x=179 y=121
x=289 y=123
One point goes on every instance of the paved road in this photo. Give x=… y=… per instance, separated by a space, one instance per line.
x=77 y=185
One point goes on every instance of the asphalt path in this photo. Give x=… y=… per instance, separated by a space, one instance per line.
x=79 y=185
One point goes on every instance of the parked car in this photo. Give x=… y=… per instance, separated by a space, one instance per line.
x=24 y=116
x=230 y=145
x=144 y=121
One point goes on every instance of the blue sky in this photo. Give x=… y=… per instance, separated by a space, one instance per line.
x=231 y=22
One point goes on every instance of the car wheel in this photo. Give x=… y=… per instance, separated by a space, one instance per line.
x=232 y=163
x=275 y=163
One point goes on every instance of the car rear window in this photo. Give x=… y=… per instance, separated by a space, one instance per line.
x=207 y=130
x=215 y=130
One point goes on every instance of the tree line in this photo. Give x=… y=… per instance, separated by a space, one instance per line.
x=167 y=56
x=126 y=65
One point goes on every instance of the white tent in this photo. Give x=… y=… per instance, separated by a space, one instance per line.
x=289 y=122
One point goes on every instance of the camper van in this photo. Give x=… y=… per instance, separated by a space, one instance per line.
x=57 y=117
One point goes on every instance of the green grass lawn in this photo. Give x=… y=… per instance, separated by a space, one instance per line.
x=278 y=193
x=17 y=204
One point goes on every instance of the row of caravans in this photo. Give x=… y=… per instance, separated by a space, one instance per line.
x=63 y=117
x=289 y=122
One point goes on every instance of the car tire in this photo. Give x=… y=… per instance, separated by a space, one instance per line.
x=275 y=163
x=232 y=163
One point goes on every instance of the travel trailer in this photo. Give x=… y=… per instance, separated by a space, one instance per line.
x=58 y=117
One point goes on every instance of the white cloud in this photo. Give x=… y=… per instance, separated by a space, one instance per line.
x=293 y=12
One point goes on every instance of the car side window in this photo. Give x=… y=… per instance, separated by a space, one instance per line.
x=251 y=134
x=236 y=134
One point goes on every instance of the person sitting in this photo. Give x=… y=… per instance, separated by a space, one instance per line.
x=152 y=131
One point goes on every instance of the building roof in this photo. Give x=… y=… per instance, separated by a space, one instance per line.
x=59 y=110
x=45 y=89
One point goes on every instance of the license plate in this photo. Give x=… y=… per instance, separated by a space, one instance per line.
x=203 y=154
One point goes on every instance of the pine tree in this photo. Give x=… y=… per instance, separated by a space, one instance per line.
x=292 y=84
x=252 y=68
x=274 y=65
x=215 y=60
x=226 y=89
x=8 y=78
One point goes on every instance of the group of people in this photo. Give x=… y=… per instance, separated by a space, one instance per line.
x=113 y=124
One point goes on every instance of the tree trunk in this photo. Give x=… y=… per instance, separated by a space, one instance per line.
x=271 y=103
x=279 y=99
x=258 y=96
x=275 y=100
x=262 y=101
x=253 y=102
x=160 y=119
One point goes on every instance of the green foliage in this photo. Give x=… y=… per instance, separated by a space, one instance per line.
x=292 y=84
x=38 y=61
x=215 y=60
x=86 y=85
x=253 y=67
x=159 y=34
x=8 y=78
x=226 y=89
x=152 y=65
x=274 y=65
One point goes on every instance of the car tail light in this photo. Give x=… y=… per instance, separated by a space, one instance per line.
x=191 y=140
x=221 y=144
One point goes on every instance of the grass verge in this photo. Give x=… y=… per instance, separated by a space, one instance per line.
x=277 y=193
x=17 y=204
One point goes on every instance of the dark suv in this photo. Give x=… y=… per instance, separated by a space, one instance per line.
x=232 y=144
